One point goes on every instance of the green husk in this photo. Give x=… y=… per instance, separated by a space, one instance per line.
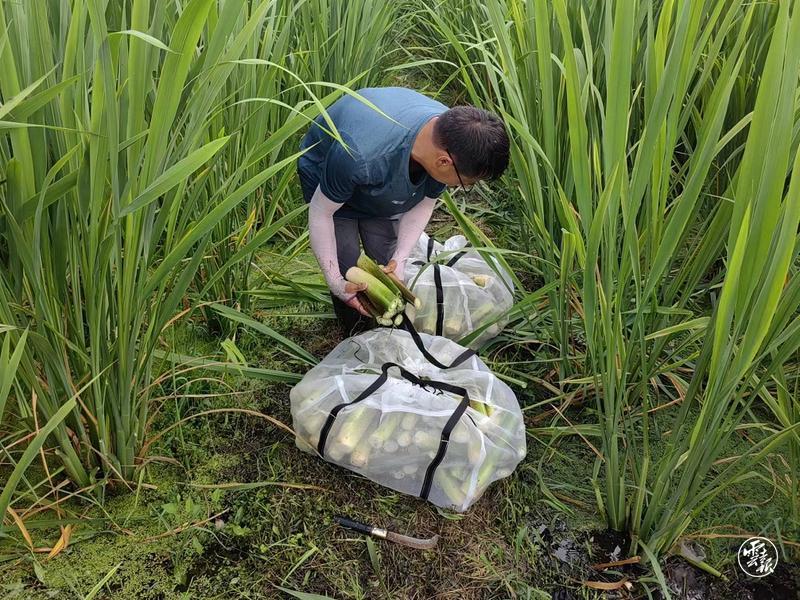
x=395 y=308
x=404 y=291
x=453 y=327
x=483 y=311
x=368 y=265
x=373 y=310
x=392 y=283
x=360 y=455
x=481 y=406
x=368 y=305
x=381 y=296
x=486 y=471
x=355 y=426
x=409 y=421
x=389 y=423
x=489 y=468
x=504 y=419
x=451 y=487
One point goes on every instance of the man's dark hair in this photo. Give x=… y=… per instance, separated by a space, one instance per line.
x=476 y=138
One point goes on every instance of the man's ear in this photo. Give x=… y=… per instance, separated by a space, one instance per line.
x=443 y=161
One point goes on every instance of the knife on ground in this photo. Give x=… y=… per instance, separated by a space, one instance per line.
x=385 y=534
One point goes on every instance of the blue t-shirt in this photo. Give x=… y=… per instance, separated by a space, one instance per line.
x=371 y=176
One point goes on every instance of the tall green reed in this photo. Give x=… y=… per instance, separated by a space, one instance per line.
x=118 y=173
x=339 y=41
x=653 y=152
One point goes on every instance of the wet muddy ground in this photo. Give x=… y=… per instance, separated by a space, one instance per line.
x=582 y=557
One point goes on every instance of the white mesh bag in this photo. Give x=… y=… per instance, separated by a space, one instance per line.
x=459 y=293
x=417 y=428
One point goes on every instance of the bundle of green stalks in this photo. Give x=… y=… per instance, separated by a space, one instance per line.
x=385 y=296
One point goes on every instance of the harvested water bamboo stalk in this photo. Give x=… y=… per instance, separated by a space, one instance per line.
x=406 y=293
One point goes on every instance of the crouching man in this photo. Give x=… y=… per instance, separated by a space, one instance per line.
x=379 y=189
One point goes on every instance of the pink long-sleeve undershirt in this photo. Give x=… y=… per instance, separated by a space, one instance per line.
x=322 y=236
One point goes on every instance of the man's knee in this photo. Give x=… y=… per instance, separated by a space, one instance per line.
x=379 y=237
x=347 y=248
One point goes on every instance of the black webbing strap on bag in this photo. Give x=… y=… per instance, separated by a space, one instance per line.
x=457 y=257
x=371 y=389
x=408 y=326
x=444 y=439
x=437 y=281
x=453 y=260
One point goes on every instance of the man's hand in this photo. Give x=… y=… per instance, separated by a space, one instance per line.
x=352 y=289
x=394 y=267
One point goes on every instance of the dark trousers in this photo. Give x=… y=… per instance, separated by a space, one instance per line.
x=379 y=238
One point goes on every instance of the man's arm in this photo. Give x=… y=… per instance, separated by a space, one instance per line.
x=410 y=227
x=322 y=236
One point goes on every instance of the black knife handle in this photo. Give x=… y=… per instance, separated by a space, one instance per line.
x=355 y=525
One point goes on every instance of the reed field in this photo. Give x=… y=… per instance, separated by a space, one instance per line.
x=159 y=299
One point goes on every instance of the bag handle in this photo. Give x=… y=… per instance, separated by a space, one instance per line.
x=408 y=326
x=437 y=280
x=453 y=260
x=371 y=389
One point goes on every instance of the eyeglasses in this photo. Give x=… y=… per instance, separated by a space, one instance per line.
x=460 y=181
